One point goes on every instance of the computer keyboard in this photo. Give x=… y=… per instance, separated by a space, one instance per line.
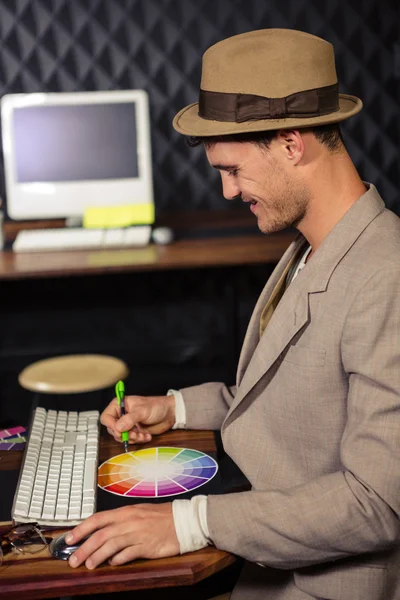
x=58 y=479
x=79 y=238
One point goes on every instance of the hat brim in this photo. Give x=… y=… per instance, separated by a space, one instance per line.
x=188 y=122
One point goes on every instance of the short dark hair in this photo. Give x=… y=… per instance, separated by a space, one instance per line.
x=328 y=135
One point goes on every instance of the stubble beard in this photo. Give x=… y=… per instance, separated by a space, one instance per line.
x=290 y=210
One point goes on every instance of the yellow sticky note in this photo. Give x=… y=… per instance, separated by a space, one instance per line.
x=102 y=217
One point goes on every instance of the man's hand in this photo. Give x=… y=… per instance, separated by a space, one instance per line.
x=145 y=416
x=124 y=534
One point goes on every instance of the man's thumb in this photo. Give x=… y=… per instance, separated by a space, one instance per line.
x=125 y=423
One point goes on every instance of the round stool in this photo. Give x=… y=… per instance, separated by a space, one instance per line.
x=73 y=374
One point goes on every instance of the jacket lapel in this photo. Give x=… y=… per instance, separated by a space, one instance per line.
x=252 y=336
x=292 y=312
x=289 y=317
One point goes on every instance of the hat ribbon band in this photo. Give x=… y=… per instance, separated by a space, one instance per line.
x=225 y=106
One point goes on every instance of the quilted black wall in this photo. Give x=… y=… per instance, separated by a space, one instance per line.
x=65 y=45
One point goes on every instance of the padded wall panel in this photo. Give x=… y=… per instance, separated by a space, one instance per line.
x=65 y=45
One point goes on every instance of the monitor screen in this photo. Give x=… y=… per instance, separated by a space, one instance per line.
x=65 y=152
x=67 y=143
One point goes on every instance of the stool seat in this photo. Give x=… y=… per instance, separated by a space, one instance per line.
x=73 y=374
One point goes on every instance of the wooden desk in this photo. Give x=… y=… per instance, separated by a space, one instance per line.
x=175 y=314
x=184 y=254
x=41 y=576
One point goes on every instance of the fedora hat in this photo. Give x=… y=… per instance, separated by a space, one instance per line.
x=266 y=79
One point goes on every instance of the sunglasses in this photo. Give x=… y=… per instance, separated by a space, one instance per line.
x=26 y=538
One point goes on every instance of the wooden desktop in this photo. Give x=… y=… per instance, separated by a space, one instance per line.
x=41 y=576
x=207 y=242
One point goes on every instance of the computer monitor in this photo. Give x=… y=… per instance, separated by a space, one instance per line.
x=65 y=152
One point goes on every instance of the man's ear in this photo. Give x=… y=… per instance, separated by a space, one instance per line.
x=292 y=144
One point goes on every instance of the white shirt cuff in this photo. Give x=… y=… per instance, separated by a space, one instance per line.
x=180 y=410
x=190 y=520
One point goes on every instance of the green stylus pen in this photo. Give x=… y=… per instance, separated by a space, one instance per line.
x=120 y=393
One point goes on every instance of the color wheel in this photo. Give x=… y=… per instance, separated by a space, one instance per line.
x=156 y=472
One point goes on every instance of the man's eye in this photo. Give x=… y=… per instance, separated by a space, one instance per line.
x=234 y=172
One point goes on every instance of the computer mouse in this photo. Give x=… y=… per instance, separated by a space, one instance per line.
x=162 y=235
x=60 y=549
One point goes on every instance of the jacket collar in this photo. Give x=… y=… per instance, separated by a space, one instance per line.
x=342 y=237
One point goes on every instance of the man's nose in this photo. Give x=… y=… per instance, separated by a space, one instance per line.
x=230 y=189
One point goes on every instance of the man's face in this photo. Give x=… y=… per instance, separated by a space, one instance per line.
x=264 y=179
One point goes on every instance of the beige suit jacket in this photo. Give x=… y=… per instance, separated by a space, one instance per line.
x=314 y=423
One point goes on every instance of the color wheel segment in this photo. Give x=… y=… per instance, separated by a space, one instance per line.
x=156 y=472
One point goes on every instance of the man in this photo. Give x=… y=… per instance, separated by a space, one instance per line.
x=314 y=418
